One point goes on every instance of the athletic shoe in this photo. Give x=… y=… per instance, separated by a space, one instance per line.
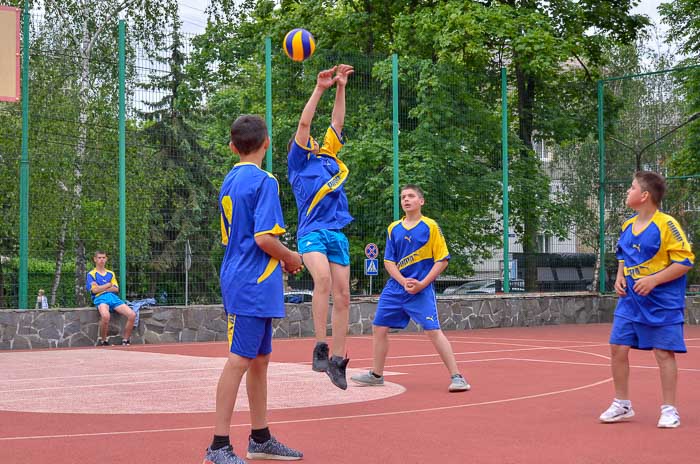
x=126 y=342
x=223 y=455
x=368 y=379
x=336 y=371
x=102 y=343
x=320 y=357
x=617 y=412
x=272 y=449
x=669 y=417
x=459 y=384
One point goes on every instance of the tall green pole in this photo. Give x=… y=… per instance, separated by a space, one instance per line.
x=122 y=159
x=504 y=162
x=601 y=189
x=268 y=100
x=395 y=128
x=22 y=303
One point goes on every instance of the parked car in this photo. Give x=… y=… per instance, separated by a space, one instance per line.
x=483 y=286
x=298 y=296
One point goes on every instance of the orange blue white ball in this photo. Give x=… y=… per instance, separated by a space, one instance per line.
x=299 y=44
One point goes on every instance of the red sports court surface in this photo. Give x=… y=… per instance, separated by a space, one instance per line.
x=536 y=396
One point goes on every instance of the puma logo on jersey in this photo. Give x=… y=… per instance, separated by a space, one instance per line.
x=407 y=237
x=637 y=247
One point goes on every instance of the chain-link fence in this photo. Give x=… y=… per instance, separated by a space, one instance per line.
x=447 y=137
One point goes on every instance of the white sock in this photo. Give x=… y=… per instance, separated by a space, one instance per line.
x=624 y=403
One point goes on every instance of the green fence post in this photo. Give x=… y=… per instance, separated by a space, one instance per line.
x=395 y=128
x=601 y=189
x=268 y=100
x=122 y=159
x=504 y=162
x=22 y=302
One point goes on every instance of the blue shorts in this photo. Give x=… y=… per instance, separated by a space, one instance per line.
x=396 y=308
x=249 y=336
x=110 y=299
x=646 y=337
x=332 y=243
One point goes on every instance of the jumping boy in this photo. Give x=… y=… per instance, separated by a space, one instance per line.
x=103 y=287
x=252 y=291
x=653 y=258
x=317 y=176
x=415 y=255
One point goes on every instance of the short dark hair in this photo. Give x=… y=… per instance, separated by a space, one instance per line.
x=248 y=133
x=652 y=182
x=99 y=252
x=418 y=190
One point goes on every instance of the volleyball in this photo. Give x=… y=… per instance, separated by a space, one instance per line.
x=299 y=44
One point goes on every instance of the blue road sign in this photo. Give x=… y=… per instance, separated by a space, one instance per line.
x=371 y=267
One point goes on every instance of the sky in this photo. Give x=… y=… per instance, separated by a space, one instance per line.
x=194 y=20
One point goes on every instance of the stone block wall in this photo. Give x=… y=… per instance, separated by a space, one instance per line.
x=56 y=328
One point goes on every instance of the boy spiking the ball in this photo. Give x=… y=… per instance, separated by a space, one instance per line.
x=653 y=258
x=317 y=176
x=252 y=291
x=415 y=255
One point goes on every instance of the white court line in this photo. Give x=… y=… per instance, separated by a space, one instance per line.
x=317 y=419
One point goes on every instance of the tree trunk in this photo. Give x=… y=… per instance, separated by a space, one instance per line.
x=526 y=97
x=2 y=286
x=59 y=261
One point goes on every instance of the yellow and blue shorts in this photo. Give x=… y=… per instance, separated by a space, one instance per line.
x=249 y=336
x=396 y=307
x=108 y=298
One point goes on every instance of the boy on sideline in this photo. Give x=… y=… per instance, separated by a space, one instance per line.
x=653 y=258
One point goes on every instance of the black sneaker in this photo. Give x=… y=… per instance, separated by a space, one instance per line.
x=126 y=342
x=336 y=371
x=320 y=358
x=102 y=343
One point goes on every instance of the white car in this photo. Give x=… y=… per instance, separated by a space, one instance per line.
x=483 y=286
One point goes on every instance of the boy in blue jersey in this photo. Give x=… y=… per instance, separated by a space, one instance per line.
x=252 y=291
x=415 y=255
x=317 y=176
x=653 y=258
x=103 y=287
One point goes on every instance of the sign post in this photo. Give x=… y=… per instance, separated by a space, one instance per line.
x=371 y=263
x=188 y=265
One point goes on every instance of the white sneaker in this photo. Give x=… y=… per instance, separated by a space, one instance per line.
x=617 y=412
x=669 y=417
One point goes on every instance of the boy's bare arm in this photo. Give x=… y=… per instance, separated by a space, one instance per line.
x=620 y=281
x=324 y=80
x=394 y=272
x=271 y=245
x=415 y=286
x=341 y=80
x=645 y=285
x=95 y=289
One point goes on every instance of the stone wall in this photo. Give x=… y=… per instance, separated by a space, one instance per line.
x=166 y=324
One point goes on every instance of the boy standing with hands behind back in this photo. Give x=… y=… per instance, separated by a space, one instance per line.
x=653 y=258
x=252 y=291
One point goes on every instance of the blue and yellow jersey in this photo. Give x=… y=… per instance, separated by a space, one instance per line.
x=317 y=182
x=95 y=278
x=251 y=280
x=414 y=250
x=646 y=252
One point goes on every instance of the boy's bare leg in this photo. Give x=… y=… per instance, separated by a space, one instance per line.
x=380 y=348
x=130 y=315
x=256 y=386
x=318 y=266
x=620 y=367
x=104 y=320
x=340 y=277
x=444 y=349
x=227 y=391
x=668 y=371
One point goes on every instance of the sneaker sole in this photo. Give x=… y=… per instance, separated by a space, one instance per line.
x=619 y=418
x=460 y=389
x=319 y=368
x=672 y=426
x=364 y=384
x=272 y=457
